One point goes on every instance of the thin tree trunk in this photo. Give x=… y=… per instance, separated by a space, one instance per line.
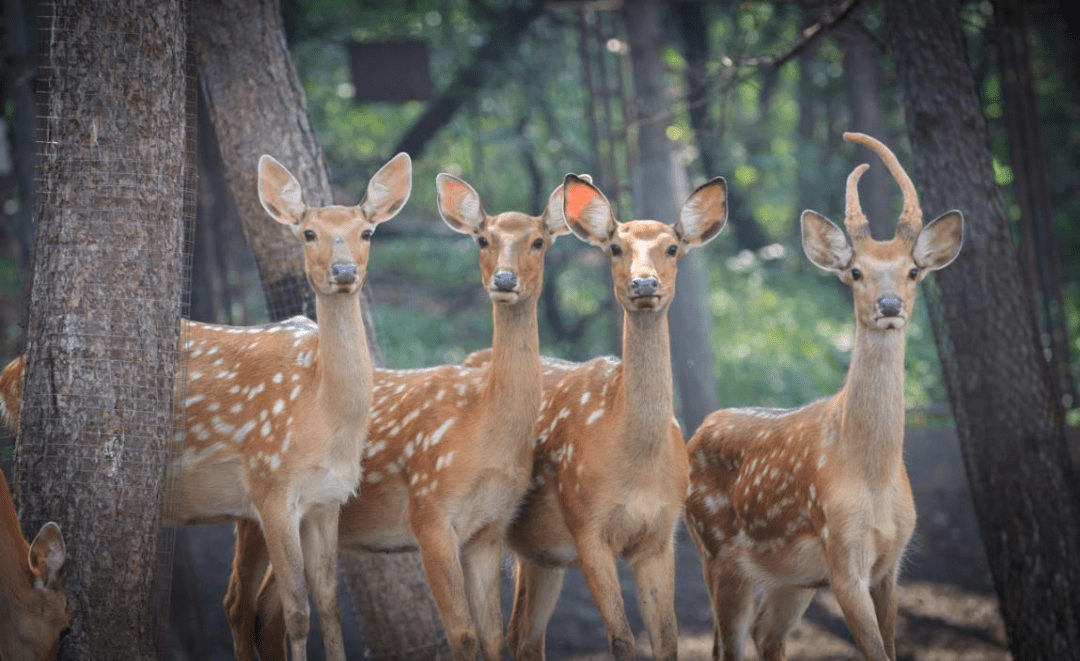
x=257 y=107
x=116 y=173
x=656 y=196
x=1008 y=417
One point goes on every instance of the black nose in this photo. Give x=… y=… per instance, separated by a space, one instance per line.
x=890 y=306
x=504 y=281
x=343 y=274
x=645 y=286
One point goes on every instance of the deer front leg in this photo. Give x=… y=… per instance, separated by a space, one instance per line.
x=536 y=590
x=250 y=562
x=850 y=584
x=282 y=534
x=440 y=553
x=480 y=562
x=654 y=575
x=319 y=536
x=602 y=577
x=732 y=597
x=884 y=597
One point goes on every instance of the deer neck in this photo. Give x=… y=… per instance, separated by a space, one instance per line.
x=872 y=414
x=344 y=364
x=644 y=393
x=513 y=383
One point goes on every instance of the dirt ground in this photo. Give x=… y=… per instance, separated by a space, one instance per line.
x=947 y=607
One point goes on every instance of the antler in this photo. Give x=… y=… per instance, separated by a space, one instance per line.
x=855 y=221
x=911 y=215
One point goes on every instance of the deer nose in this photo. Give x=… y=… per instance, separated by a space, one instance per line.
x=504 y=281
x=890 y=306
x=343 y=273
x=645 y=286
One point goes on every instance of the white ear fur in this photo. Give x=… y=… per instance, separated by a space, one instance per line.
x=939 y=242
x=279 y=192
x=588 y=213
x=459 y=204
x=47 y=555
x=388 y=190
x=703 y=214
x=824 y=243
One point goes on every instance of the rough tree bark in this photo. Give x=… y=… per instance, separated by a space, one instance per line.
x=257 y=106
x=116 y=171
x=1008 y=416
x=656 y=197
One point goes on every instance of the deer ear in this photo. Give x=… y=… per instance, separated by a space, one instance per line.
x=388 y=190
x=47 y=556
x=587 y=211
x=279 y=192
x=939 y=242
x=824 y=243
x=553 y=218
x=703 y=214
x=459 y=204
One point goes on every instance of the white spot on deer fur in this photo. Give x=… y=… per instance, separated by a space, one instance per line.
x=222 y=427
x=263 y=414
x=196 y=353
x=414 y=479
x=286 y=443
x=261 y=386
x=585 y=397
x=194 y=399
x=444 y=461
x=594 y=416
x=437 y=435
x=236 y=408
x=373 y=477
x=265 y=431
x=821 y=460
x=565 y=413
x=195 y=376
x=813 y=492
x=275 y=461
x=278 y=378
x=243 y=431
x=375 y=448
x=213 y=406
x=295 y=393
x=279 y=406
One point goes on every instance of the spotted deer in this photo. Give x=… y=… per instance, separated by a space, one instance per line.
x=448 y=458
x=275 y=416
x=786 y=501
x=609 y=460
x=34 y=608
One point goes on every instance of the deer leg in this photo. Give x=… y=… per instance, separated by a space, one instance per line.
x=250 y=562
x=480 y=562
x=654 y=575
x=282 y=534
x=732 y=597
x=269 y=625
x=439 y=551
x=602 y=577
x=536 y=590
x=852 y=592
x=884 y=597
x=319 y=536
x=779 y=611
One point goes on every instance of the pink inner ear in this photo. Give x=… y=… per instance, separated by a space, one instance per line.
x=577 y=197
x=454 y=189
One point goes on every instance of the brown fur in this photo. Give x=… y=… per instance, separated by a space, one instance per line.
x=786 y=501
x=448 y=457
x=610 y=471
x=34 y=608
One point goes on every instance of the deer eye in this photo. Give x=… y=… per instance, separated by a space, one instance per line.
x=538 y=244
x=365 y=235
x=913 y=273
x=615 y=250
x=856 y=274
x=309 y=235
x=482 y=241
x=673 y=250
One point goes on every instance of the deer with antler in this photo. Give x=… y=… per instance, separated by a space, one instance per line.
x=449 y=458
x=276 y=416
x=34 y=607
x=609 y=462
x=787 y=501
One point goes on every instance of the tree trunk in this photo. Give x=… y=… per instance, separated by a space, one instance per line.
x=258 y=107
x=1038 y=249
x=116 y=174
x=1008 y=417
x=656 y=196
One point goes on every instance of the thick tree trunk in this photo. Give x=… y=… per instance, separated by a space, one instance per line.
x=656 y=197
x=116 y=173
x=1008 y=417
x=258 y=107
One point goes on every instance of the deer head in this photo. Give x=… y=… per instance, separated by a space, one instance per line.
x=882 y=274
x=644 y=253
